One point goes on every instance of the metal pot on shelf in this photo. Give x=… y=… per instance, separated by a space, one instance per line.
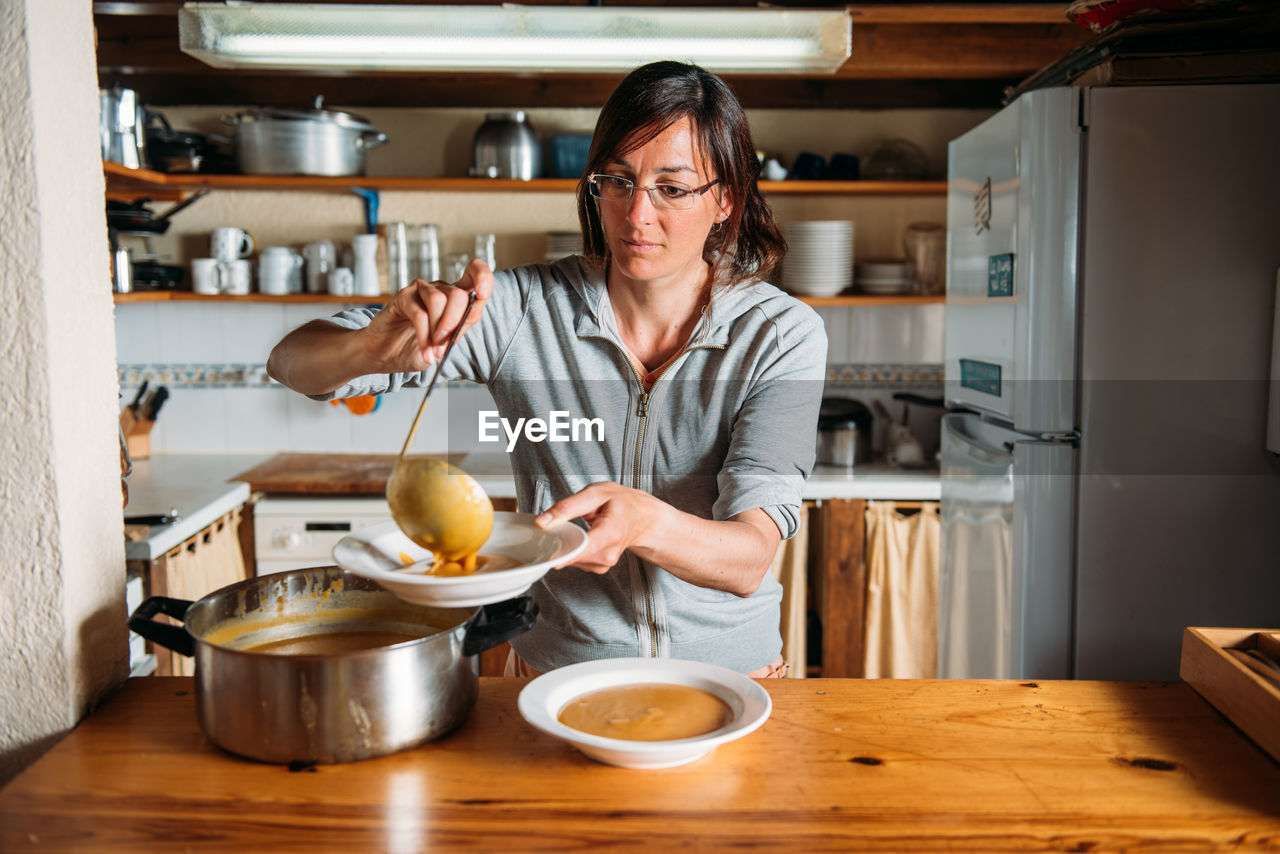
x=505 y=146
x=844 y=432
x=328 y=706
x=281 y=141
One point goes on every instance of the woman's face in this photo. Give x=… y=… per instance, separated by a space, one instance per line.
x=660 y=245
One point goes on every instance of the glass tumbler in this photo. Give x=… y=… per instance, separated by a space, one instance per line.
x=926 y=247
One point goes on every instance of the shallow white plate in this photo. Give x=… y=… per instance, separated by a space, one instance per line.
x=374 y=553
x=542 y=699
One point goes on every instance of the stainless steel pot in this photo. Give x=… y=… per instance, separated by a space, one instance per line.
x=330 y=707
x=844 y=433
x=268 y=141
x=505 y=146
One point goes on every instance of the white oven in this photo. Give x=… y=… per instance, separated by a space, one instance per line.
x=293 y=533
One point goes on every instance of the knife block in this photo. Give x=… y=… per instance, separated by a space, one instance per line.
x=137 y=434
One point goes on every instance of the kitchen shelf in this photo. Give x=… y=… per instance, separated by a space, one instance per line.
x=299 y=299
x=123 y=183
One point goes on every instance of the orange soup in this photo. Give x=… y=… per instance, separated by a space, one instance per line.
x=647 y=712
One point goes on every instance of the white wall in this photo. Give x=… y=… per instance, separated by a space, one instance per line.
x=62 y=618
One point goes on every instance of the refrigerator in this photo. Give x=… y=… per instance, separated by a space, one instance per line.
x=1113 y=258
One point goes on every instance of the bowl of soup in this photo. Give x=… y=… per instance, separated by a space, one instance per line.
x=645 y=712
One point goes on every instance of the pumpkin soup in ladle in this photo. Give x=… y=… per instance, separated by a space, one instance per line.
x=437 y=505
x=441 y=508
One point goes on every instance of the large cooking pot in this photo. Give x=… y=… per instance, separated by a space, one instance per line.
x=844 y=432
x=332 y=706
x=270 y=141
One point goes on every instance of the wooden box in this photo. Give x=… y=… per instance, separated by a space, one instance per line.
x=1212 y=664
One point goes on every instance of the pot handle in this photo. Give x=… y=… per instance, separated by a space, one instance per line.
x=371 y=139
x=175 y=638
x=498 y=623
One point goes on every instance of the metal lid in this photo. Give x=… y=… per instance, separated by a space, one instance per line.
x=320 y=114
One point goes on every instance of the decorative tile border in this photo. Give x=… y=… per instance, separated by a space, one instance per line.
x=921 y=377
x=248 y=375
x=217 y=375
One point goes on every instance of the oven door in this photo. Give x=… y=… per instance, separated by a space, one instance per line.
x=296 y=533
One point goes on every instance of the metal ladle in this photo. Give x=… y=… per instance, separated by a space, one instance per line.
x=438 y=505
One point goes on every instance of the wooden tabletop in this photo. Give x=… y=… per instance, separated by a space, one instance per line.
x=842 y=764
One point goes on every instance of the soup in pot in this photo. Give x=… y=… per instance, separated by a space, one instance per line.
x=647 y=712
x=328 y=643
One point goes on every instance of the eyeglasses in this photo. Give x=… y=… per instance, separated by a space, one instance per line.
x=613 y=188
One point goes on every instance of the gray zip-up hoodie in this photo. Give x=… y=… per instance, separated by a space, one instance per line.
x=729 y=426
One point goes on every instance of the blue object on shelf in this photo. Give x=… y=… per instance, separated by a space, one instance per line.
x=370 y=208
x=569 y=154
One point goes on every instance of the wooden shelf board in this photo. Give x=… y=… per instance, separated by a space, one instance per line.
x=123 y=182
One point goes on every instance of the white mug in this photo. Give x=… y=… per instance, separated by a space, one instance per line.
x=278 y=268
x=204 y=276
x=235 y=276
x=365 y=249
x=229 y=244
x=321 y=257
x=342 y=282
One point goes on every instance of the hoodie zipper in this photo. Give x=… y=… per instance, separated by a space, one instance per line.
x=642 y=413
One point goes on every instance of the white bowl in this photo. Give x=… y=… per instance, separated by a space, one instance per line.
x=542 y=699
x=375 y=553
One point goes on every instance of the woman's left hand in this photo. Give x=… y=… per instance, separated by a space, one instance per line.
x=619 y=517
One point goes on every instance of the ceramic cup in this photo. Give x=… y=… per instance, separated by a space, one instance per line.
x=229 y=244
x=278 y=268
x=204 y=276
x=342 y=282
x=235 y=276
x=321 y=257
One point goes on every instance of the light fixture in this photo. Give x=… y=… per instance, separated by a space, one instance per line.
x=349 y=37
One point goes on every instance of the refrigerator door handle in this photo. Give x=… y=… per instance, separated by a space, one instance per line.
x=1071 y=437
x=973 y=448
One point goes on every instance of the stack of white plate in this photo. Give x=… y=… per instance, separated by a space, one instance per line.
x=884 y=277
x=819 y=260
x=563 y=243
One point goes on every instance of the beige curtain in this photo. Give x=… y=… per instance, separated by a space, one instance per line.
x=901 y=625
x=790 y=566
x=205 y=562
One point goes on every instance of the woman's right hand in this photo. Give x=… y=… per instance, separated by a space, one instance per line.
x=412 y=331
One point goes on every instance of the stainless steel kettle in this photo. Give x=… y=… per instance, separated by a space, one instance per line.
x=122 y=122
x=505 y=146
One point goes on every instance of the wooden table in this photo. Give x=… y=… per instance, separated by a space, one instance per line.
x=841 y=765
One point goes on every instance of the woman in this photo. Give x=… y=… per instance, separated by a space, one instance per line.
x=707 y=381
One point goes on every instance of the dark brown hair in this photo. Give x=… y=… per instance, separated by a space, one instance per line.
x=650 y=99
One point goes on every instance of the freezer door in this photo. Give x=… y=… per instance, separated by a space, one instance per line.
x=1005 y=586
x=1012 y=222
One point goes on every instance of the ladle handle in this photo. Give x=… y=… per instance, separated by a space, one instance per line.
x=422 y=407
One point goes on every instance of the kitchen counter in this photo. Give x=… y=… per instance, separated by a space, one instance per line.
x=366 y=474
x=841 y=764
x=199 y=486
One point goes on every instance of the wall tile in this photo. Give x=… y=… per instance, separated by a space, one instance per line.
x=136 y=332
x=193 y=419
x=257 y=418
x=316 y=426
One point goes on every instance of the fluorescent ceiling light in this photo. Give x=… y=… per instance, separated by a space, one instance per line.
x=340 y=37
